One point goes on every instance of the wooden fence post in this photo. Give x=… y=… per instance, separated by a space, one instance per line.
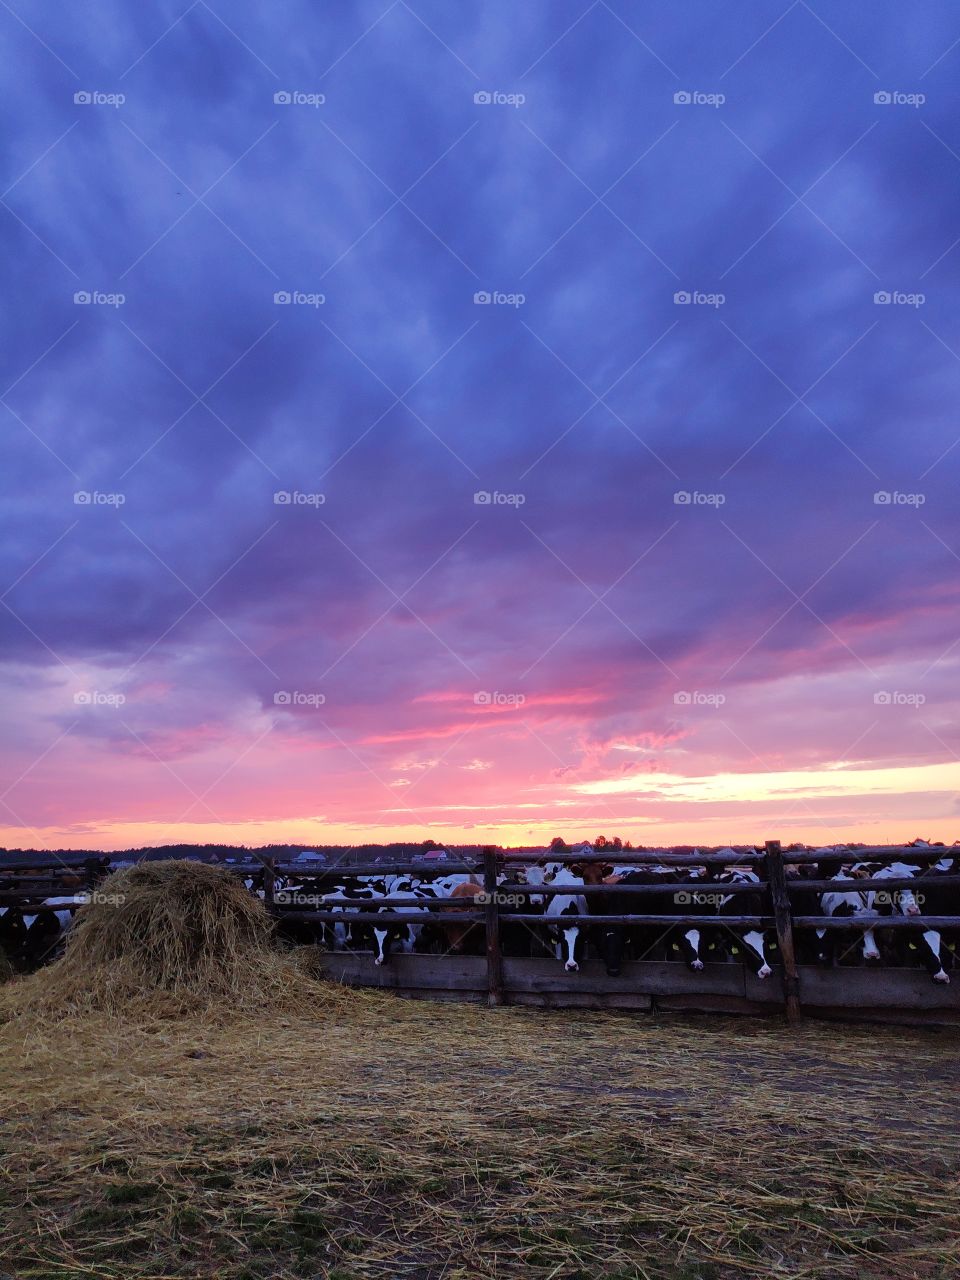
x=780 y=898
x=269 y=882
x=494 y=956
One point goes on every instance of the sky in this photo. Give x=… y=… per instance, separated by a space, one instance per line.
x=482 y=422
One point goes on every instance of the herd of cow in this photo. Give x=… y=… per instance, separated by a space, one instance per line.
x=31 y=935
x=715 y=928
x=543 y=911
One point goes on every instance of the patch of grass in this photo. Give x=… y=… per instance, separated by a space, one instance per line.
x=129 y=1192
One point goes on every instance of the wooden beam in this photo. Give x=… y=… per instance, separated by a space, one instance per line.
x=665 y=920
x=859 y=886
x=709 y=887
x=780 y=899
x=549 y=890
x=908 y=993
x=876 y=922
x=457 y=916
x=346 y=870
x=492 y=922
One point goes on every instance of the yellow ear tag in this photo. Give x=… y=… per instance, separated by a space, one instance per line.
x=735 y=951
x=913 y=946
x=951 y=946
x=676 y=946
x=712 y=946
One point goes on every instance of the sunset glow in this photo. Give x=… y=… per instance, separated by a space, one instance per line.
x=482 y=470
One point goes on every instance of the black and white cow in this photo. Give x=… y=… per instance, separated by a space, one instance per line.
x=566 y=916
x=404 y=936
x=349 y=934
x=43 y=936
x=754 y=942
x=13 y=934
x=928 y=898
x=685 y=941
x=936 y=899
x=32 y=935
x=848 y=902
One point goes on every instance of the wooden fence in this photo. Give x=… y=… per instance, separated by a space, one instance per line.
x=642 y=984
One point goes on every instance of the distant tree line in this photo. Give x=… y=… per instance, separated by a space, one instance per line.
x=559 y=845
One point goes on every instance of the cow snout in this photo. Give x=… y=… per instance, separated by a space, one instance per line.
x=696 y=965
x=572 y=967
x=913 y=909
x=378 y=960
x=941 y=977
x=764 y=971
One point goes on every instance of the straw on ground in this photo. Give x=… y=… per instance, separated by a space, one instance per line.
x=353 y=1136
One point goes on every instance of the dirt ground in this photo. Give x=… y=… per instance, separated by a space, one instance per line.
x=386 y=1138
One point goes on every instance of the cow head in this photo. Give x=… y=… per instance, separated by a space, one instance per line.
x=569 y=937
x=381 y=944
x=928 y=945
x=689 y=943
x=592 y=872
x=755 y=953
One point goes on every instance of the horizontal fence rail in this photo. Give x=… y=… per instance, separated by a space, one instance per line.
x=386 y=916
x=872 y=882
x=877 y=922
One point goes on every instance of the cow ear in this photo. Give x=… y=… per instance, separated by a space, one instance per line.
x=607 y=869
x=576 y=868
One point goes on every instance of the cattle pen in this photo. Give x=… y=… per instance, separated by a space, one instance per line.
x=192 y=1099
x=780 y=883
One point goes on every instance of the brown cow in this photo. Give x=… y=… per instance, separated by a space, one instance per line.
x=457 y=933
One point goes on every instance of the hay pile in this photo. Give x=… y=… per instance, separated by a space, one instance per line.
x=168 y=938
